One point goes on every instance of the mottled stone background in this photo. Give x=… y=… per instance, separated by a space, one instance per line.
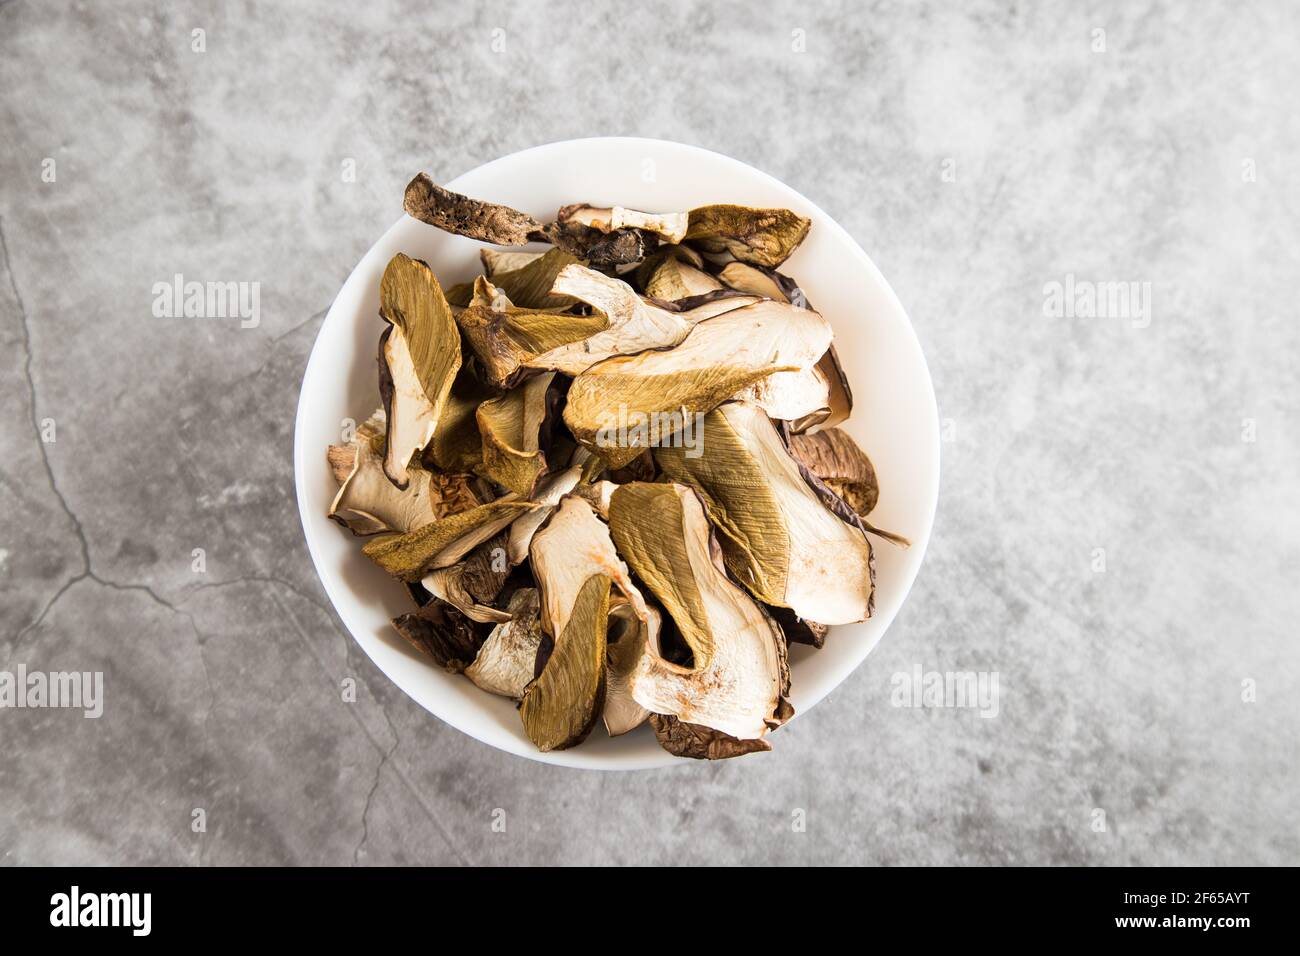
x=1169 y=157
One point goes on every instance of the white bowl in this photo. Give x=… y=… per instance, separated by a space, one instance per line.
x=894 y=419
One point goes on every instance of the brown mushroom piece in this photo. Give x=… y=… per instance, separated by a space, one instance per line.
x=511 y=428
x=368 y=503
x=765 y=237
x=778 y=536
x=505 y=662
x=470 y=585
x=738 y=678
x=528 y=286
x=668 y=226
x=623 y=405
x=562 y=704
x=836 y=459
x=505 y=337
x=440 y=544
x=472 y=218
x=674 y=279
x=442 y=633
x=419 y=356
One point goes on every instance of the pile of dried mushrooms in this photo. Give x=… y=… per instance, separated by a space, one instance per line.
x=609 y=473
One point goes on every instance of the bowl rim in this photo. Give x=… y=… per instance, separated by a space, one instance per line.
x=825 y=223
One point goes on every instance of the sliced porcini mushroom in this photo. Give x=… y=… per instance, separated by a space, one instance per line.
x=738 y=677
x=368 y=503
x=632 y=323
x=457 y=446
x=419 y=356
x=440 y=544
x=472 y=218
x=757 y=280
x=801 y=397
x=765 y=237
x=494 y=260
x=620 y=249
x=504 y=339
x=548 y=495
x=841 y=396
x=674 y=279
x=626 y=404
x=471 y=584
x=574 y=545
x=779 y=538
x=528 y=286
x=836 y=459
x=504 y=664
x=511 y=428
x=668 y=226
x=443 y=633
x=701 y=743
x=626 y=642
x=561 y=705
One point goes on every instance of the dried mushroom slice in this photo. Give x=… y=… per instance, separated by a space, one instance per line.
x=701 y=743
x=457 y=446
x=504 y=664
x=368 y=503
x=837 y=460
x=574 y=545
x=623 y=405
x=419 y=356
x=765 y=237
x=443 y=633
x=561 y=706
x=627 y=639
x=738 y=677
x=757 y=280
x=623 y=248
x=674 y=279
x=527 y=287
x=504 y=340
x=632 y=324
x=472 y=218
x=778 y=537
x=841 y=396
x=548 y=495
x=471 y=585
x=801 y=398
x=442 y=543
x=668 y=226
x=511 y=426
x=494 y=260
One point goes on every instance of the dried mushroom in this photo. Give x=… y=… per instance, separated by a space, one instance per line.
x=511 y=428
x=657 y=393
x=836 y=459
x=561 y=706
x=472 y=218
x=595 y=470
x=675 y=279
x=779 y=539
x=668 y=226
x=737 y=680
x=504 y=664
x=441 y=544
x=764 y=237
x=443 y=633
x=368 y=503
x=419 y=356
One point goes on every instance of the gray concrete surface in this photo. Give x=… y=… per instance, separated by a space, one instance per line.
x=978 y=151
